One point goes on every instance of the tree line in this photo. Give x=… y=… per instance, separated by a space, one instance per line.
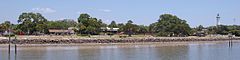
x=166 y=25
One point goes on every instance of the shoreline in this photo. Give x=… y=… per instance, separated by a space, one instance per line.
x=121 y=45
x=110 y=40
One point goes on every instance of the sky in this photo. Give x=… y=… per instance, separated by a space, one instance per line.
x=141 y=12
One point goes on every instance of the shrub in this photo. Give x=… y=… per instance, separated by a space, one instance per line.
x=101 y=33
x=82 y=34
x=109 y=33
x=7 y=35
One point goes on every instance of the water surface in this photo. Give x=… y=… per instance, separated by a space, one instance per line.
x=207 y=51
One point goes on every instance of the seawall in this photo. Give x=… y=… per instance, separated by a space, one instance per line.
x=108 y=40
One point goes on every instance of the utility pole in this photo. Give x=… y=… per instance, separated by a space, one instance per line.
x=234 y=26
x=234 y=23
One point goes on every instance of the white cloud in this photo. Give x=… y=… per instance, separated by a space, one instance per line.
x=96 y=9
x=93 y=10
x=107 y=10
x=45 y=10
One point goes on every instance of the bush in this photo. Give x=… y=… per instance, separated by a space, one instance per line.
x=83 y=34
x=163 y=33
x=109 y=33
x=101 y=33
x=7 y=35
x=236 y=32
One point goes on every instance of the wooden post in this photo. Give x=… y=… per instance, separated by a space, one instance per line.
x=230 y=41
x=15 y=45
x=9 y=44
x=15 y=56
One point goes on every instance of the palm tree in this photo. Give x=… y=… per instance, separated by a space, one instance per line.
x=6 y=25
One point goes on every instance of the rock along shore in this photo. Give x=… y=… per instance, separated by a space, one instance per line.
x=108 y=40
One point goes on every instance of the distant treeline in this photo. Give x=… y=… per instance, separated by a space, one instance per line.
x=166 y=25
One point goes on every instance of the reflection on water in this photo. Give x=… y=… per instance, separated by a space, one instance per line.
x=189 y=52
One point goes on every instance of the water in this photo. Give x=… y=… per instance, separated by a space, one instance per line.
x=207 y=51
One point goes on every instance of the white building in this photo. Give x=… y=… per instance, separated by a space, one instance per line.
x=109 y=29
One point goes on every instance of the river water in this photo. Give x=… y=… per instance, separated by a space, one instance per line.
x=207 y=51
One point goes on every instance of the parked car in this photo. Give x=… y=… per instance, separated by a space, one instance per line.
x=20 y=33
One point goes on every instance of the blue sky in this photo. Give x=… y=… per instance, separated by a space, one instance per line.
x=142 y=12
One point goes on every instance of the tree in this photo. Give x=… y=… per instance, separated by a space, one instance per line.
x=130 y=28
x=153 y=27
x=6 y=25
x=236 y=32
x=170 y=25
x=120 y=26
x=199 y=28
x=81 y=27
x=1 y=28
x=142 y=29
x=16 y=28
x=93 y=25
x=61 y=24
x=113 y=25
x=212 y=29
x=83 y=17
x=30 y=21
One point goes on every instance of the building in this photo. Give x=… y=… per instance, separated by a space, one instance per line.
x=218 y=20
x=107 y=29
x=202 y=33
x=70 y=31
x=71 y=28
x=61 y=32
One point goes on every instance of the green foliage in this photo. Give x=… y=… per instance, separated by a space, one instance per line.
x=199 y=28
x=61 y=24
x=120 y=26
x=211 y=30
x=164 y=33
x=113 y=25
x=30 y=22
x=142 y=29
x=169 y=23
x=7 y=35
x=109 y=33
x=83 y=17
x=101 y=33
x=166 y=25
x=81 y=27
x=83 y=34
x=89 y=25
x=16 y=30
x=236 y=32
x=129 y=28
x=5 y=26
x=1 y=28
x=224 y=29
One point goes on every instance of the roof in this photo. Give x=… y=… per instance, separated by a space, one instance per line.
x=55 y=30
x=109 y=29
x=71 y=28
